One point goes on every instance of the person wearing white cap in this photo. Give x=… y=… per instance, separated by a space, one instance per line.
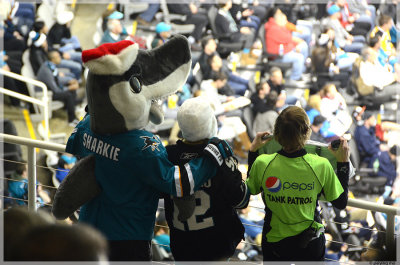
x=60 y=33
x=218 y=233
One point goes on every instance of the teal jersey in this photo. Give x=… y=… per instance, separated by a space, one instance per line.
x=132 y=170
x=291 y=186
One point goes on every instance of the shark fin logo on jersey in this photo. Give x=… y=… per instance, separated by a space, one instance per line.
x=273 y=184
x=150 y=142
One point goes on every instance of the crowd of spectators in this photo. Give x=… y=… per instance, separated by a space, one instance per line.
x=352 y=45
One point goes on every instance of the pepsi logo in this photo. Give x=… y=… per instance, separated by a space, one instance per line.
x=273 y=184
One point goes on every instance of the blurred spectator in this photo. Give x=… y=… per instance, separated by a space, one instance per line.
x=316 y=126
x=64 y=165
x=264 y=122
x=335 y=251
x=226 y=24
x=313 y=109
x=374 y=74
x=211 y=89
x=161 y=235
x=277 y=84
x=245 y=17
x=258 y=99
x=345 y=40
x=252 y=228
x=385 y=23
x=209 y=46
x=236 y=83
x=193 y=16
x=63 y=87
x=13 y=65
x=384 y=162
x=25 y=15
x=333 y=104
x=163 y=31
x=231 y=125
x=354 y=23
x=367 y=143
x=367 y=12
x=13 y=39
x=40 y=27
x=60 y=34
x=388 y=62
x=332 y=60
x=147 y=16
x=60 y=242
x=39 y=48
x=18 y=188
x=17 y=222
x=279 y=41
x=115 y=31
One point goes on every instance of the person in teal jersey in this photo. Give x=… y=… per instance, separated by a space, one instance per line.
x=292 y=181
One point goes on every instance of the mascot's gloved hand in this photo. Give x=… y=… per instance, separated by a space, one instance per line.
x=185 y=206
x=218 y=150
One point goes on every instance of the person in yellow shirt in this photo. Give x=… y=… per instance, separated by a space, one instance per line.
x=385 y=23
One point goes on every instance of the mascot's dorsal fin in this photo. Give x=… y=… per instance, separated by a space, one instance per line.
x=111 y=58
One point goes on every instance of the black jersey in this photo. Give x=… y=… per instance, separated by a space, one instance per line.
x=214 y=230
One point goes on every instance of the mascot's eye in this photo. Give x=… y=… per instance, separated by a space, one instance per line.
x=135 y=84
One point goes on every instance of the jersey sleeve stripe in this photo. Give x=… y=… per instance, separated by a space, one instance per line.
x=246 y=196
x=185 y=181
x=178 y=185
x=190 y=177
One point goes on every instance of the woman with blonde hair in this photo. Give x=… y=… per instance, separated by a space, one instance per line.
x=292 y=181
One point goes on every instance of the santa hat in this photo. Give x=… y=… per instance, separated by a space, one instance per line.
x=197 y=120
x=111 y=58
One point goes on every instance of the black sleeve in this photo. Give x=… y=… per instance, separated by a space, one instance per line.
x=250 y=160
x=234 y=190
x=343 y=169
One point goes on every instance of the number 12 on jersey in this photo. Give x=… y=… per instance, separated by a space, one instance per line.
x=197 y=220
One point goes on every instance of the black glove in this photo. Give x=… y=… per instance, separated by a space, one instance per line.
x=218 y=150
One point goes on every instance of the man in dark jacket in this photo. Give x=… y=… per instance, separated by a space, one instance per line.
x=63 y=87
x=367 y=143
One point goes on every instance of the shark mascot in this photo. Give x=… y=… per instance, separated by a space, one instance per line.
x=123 y=168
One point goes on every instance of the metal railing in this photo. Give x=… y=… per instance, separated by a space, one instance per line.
x=390 y=211
x=44 y=102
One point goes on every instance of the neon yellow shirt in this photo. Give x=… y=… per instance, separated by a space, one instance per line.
x=291 y=187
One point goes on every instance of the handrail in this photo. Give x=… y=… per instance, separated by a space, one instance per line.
x=390 y=211
x=45 y=98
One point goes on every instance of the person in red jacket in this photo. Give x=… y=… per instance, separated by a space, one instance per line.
x=279 y=41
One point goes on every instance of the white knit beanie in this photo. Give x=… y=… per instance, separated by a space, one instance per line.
x=197 y=120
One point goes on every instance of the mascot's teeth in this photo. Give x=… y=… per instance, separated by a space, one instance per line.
x=156 y=101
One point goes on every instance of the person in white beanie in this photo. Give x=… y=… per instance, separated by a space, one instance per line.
x=60 y=33
x=205 y=225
